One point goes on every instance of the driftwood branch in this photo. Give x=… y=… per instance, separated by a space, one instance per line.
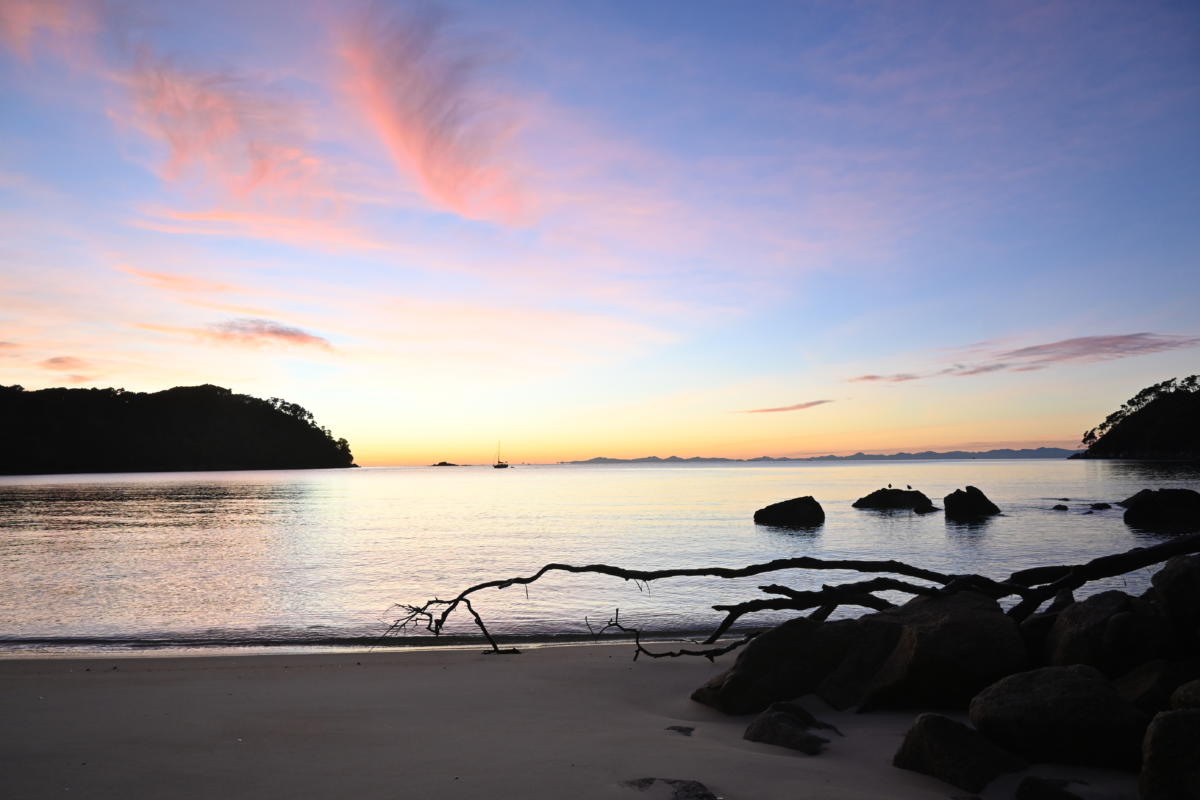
x=1032 y=587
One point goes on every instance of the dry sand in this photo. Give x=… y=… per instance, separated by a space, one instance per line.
x=552 y=722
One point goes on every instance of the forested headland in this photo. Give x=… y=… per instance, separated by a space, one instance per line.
x=185 y=428
x=1159 y=422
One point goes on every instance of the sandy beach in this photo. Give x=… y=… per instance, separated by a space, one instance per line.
x=552 y=722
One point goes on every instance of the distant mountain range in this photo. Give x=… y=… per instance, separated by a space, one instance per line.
x=1038 y=452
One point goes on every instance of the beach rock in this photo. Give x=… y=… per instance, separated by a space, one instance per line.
x=787 y=725
x=1110 y=631
x=950 y=646
x=1186 y=695
x=785 y=662
x=1169 y=510
x=935 y=651
x=1149 y=686
x=968 y=504
x=799 y=512
x=952 y=752
x=672 y=789
x=1176 y=591
x=896 y=499
x=1171 y=757
x=1059 y=507
x=1101 y=506
x=1035 y=787
x=1068 y=715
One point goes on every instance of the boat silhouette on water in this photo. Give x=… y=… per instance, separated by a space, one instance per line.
x=499 y=464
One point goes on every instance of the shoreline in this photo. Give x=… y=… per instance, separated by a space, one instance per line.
x=555 y=721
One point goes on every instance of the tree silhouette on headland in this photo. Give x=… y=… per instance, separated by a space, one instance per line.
x=184 y=428
x=1159 y=422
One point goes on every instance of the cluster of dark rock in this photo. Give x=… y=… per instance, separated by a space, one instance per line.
x=1163 y=510
x=1112 y=680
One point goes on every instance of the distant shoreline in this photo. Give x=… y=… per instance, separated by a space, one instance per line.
x=1039 y=452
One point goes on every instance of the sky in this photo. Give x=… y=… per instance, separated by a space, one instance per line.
x=609 y=228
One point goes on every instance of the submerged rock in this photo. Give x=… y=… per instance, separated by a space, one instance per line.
x=1067 y=715
x=1059 y=507
x=896 y=499
x=1170 y=510
x=952 y=752
x=969 y=504
x=799 y=512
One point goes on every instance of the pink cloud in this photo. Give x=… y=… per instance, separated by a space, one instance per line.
x=63 y=363
x=56 y=24
x=221 y=129
x=416 y=87
x=797 y=407
x=250 y=332
x=896 y=378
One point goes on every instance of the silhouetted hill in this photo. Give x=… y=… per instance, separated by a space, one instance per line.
x=1160 y=422
x=185 y=428
x=1037 y=452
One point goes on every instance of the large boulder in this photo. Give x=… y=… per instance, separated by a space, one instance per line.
x=1110 y=631
x=950 y=646
x=799 y=512
x=1176 y=591
x=952 y=752
x=1171 y=757
x=1068 y=715
x=935 y=651
x=1149 y=686
x=969 y=504
x=896 y=500
x=1169 y=510
x=783 y=663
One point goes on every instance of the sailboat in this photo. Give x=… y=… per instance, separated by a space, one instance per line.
x=499 y=464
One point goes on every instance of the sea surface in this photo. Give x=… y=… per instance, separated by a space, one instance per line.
x=319 y=558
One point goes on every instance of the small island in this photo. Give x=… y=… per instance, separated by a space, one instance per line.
x=185 y=428
x=1161 y=422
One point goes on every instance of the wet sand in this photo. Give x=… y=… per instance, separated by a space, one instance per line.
x=554 y=722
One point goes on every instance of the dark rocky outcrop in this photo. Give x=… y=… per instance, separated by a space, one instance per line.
x=1059 y=507
x=799 y=512
x=1069 y=715
x=935 y=651
x=1110 y=631
x=1159 y=422
x=896 y=500
x=789 y=724
x=185 y=428
x=1171 y=757
x=1165 y=510
x=672 y=789
x=1100 y=506
x=969 y=504
x=1149 y=686
x=1186 y=696
x=952 y=752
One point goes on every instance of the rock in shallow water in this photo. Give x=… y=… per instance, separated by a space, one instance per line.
x=1168 y=510
x=896 y=500
x=799 y=512
x=969 y=504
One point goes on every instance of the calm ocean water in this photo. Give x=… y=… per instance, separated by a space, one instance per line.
x=306 y=557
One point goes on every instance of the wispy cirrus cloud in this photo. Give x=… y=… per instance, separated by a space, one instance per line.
x=899 y=377
x=176 y=283
x=796 y=407
x=417 y=86
x=248 y=332
x=1078 y=350
x=75 y=367
x=57 y=24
